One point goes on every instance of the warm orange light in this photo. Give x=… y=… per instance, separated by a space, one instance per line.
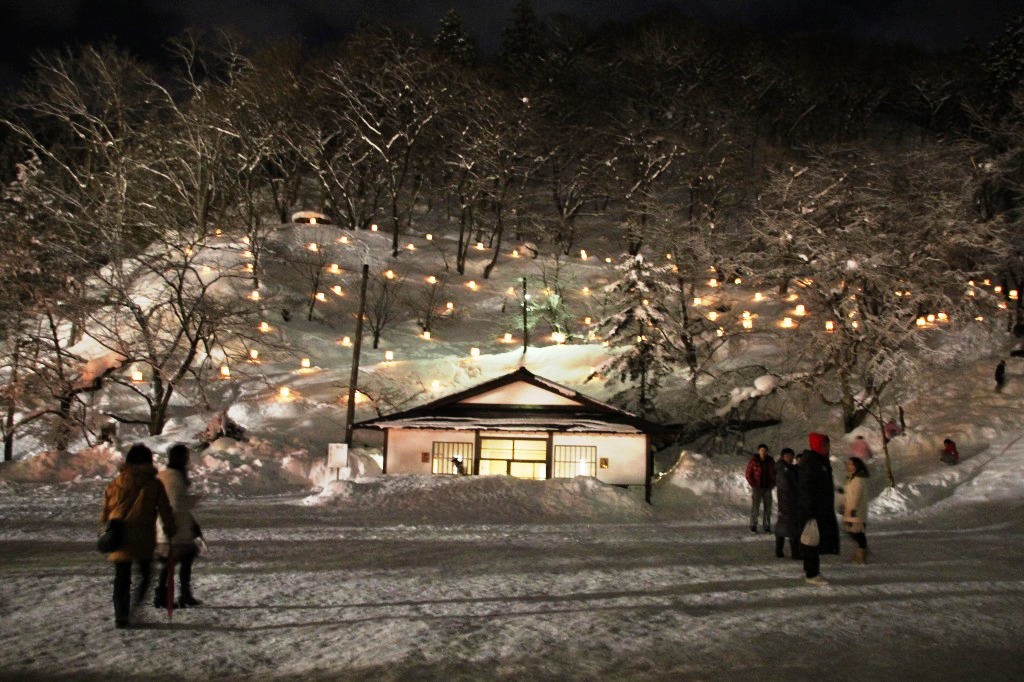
x=373 y=228
x=508 y=337
x=304 y=363
x=337 y=290
x=787 y=322
x=712 y=315
x=321 y=296
x=712 y=282
x=137 y=376
x=583 y=254
x=254 y=354
x=335 y=268
x=830 y=326
x=800 y=310
x=264 y=327
x=390 y=274
x=474 y=352
x=346 y=341
x=430 y=237
x=426 y=334
x=313 y=246
x=472 y=284
x=255 y=295
x=225 y=371
x=389 y=356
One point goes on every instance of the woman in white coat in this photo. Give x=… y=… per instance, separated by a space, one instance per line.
x=855 y=508
x=182 y=545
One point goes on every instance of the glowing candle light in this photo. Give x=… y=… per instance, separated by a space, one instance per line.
x=712 y=282
x=586 y=291
x=738 y=280
x=508 y=337
x=698 y=300
x=335 y=269
x=787 y=322
x=337 y=290
x=247 y=254
x=225 y=372
x=426 y=335
x=137 y=376
x=943 y=317
x=344 y=239
x=1012 y=294
x=449 y=306
x=435 y=385
x=608 y=260
x=249 y=267
x=921 y=322
x=931 y=317
x=800 y=310
x=558 y=337
x=474 y=352
x=390 y=274
x=746 y=315
x=712 y=315
x=430 y=237
x=586 y=320
x=313 y=246
x=255 y=295
x=515 y=253
x=254 y=354
x=720 y=331
x=410 y=246
x=748 y=324
x=284 y=393
x=479 y=246
x=997 y=289
x=668 y=256
x=321 y=296
x=264 y=327
x=346 y=341
x=472 y=284
x=986 y=282
x=583 y=254
x=759 y=297
x=389 y=356
x=245 y=240
x=304 y=363
x=373 y=227
x=830 y=326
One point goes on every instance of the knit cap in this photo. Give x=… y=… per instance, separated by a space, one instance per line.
x=818 y=442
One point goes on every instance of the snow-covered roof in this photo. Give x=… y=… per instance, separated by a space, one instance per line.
x=492 y=405
x=518 y=423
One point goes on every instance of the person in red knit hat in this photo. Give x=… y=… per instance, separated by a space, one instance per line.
x=817 y=506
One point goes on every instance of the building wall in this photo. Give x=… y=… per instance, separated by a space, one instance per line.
x=626 y=454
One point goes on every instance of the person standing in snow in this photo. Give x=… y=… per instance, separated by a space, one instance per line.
x=816 y=498
x=787 y=524
x=181 y=546
x=1000 y=375
x=136 y=497
x=950 y=455
x=855 y=506
x=860 y=448
x=760 y=475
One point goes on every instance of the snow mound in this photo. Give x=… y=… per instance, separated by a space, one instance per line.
x=482 y=499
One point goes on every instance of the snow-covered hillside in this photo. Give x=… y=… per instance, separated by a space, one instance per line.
x=407 y=577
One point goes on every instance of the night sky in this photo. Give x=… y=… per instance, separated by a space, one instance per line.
x=143 y=25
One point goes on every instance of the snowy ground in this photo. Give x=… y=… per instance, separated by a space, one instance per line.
x=410 y=578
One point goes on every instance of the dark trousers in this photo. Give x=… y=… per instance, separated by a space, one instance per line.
x=812 y=562
x=860 y=538
x=761 y=498
x=183 y=560
x=794 y=546
x=123 y=601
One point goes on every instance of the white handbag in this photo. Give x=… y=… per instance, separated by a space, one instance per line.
x=810 y=536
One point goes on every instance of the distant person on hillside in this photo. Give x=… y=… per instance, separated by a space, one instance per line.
x=855 y=506
x=950 y=455
x=816 y=498
x=1000 y=375
x=138 y=498
x=891 y=429
x=761 y=478
x=860 y=448
x=787 y=524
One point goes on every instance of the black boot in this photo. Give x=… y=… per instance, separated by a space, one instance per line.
x=187 y=600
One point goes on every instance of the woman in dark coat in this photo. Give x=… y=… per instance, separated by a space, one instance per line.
x=817 y=501
x=787 y=524
x=138 y=498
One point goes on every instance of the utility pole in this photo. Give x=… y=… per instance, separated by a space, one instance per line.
x=357 y=343
x=526 y=330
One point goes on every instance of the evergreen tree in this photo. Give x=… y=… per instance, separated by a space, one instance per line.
x=639 y=324
x=522 y=43
x=452 y=40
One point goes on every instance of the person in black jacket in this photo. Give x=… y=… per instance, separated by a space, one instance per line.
x=787 y=524
x=817 y=503
x=1000 y=375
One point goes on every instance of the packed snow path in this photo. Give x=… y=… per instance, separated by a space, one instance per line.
x=294 y=591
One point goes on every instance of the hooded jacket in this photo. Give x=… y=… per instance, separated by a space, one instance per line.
x=137 y=497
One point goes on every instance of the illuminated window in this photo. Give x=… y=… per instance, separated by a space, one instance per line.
x=574 y=460
x=522 y=458
x=447 y=458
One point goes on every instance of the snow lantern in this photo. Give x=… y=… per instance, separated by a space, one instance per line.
x=337 y=290
x=255 y=295
x=264 y=327
x=583 y=254
x=425 y=335
x=430 y=237
x=313 y=246
x=304 y=363
x=137 y=376
x=225 y=372
x=389 y=356
x=254 y=355
x=474 y=352
x=373 y=227
x=800 y=310
x=787 y=322
x=346 y=341
x=321 y=296
x=335 y=269
x=830 y=326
